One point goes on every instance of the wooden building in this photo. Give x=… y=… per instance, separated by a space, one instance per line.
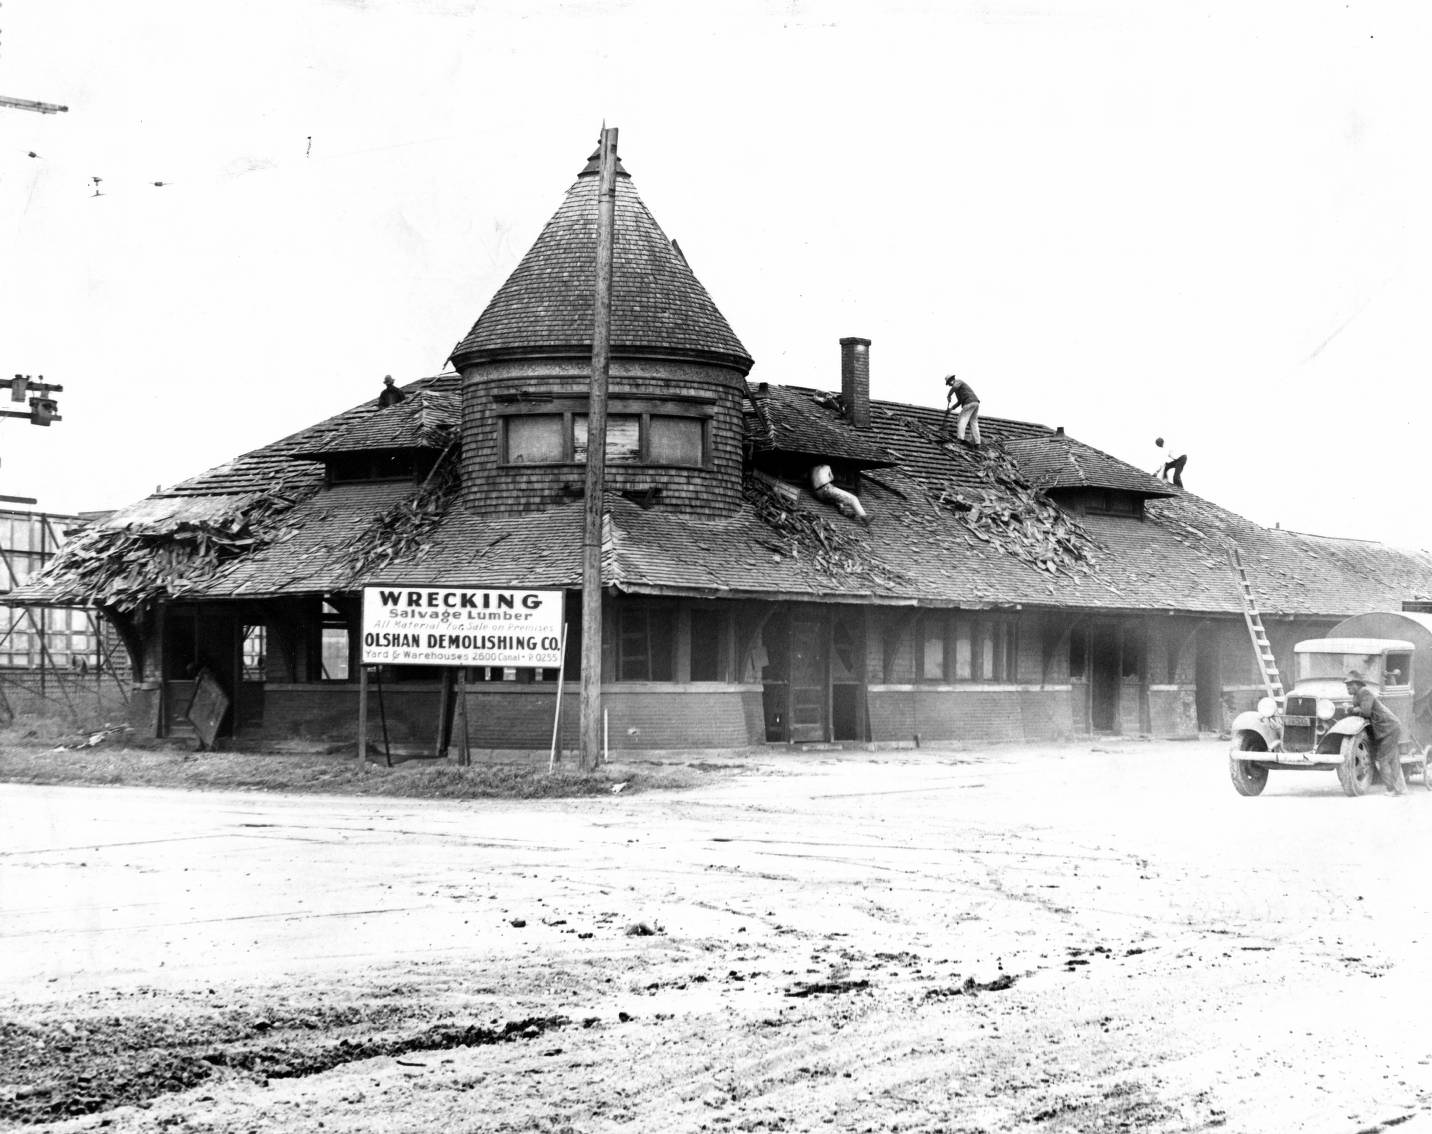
x=1036 y=588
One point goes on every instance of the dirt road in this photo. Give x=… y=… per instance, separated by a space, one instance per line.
x=1057 y=939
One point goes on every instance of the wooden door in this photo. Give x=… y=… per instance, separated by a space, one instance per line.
x=810 y=677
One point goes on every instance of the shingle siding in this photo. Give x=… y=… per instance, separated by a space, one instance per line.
x=493 y=488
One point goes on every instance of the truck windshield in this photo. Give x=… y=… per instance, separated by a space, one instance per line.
x=1312 y=667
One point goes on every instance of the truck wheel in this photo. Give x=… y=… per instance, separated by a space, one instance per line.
x=1356 y=773
x=1248 y=778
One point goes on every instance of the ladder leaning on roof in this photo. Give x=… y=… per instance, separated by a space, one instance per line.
x=1262 y=648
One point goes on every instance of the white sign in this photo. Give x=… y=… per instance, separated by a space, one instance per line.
x=461 y=626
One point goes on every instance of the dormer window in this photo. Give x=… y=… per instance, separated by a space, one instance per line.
x=639 y=432
x=391 y=465
x=1100 y=501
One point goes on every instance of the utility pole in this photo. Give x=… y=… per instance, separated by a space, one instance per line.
x=31 y=104
x=43 y=408
x=591 y=691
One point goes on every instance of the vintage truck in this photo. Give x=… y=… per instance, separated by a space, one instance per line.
x=1312 y=729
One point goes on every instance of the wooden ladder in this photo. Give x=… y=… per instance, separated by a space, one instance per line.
x=1262 y=648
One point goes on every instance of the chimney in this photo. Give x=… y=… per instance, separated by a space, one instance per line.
x=855 y=380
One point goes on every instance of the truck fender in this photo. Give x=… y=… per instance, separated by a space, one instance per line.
x=1261 y=726
x=1339 y=730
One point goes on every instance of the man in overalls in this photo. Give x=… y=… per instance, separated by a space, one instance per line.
x=959 y=395
x=1385 y=730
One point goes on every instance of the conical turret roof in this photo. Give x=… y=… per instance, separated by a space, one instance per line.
x=547 y=306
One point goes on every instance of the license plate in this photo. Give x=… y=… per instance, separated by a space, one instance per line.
x=1298 y=722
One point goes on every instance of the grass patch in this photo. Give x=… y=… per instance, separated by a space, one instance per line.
x=332 y=775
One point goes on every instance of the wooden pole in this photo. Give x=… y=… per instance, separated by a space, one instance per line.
x=383 y=720
x=362 y=717
x=464 y=751
x=446 y=702
x=557 y=710
x=591 y=695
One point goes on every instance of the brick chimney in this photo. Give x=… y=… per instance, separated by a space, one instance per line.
x=855 y=380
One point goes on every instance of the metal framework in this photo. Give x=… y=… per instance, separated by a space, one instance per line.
x=62 y=647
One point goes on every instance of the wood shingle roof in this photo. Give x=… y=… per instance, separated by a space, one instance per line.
x=916 y=551
x=547 y=305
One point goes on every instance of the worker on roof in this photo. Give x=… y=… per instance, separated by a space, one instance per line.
x=391 y=395
x=1385 y=730
x=1168 y=463
x=959 y=394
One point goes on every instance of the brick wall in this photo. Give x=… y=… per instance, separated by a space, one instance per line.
x=706 y=715
x=974 y=714
x=494 y=487
x=1173 y=711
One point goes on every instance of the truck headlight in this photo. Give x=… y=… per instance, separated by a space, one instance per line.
x=1267 y=707
x=1326 y=709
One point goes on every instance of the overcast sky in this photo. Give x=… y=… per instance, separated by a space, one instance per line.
x=1203 y=220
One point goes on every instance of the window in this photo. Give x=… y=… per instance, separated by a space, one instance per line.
x=623 y=439
x=677 y=441
x=333 y=645
x=707 y=644
x=1132 y=656
x=645 y=635
x=351 y=467
x=963 y=648
x=1078 y=652
x=255 y=653
x=932 y=649
x=534 y=438
x=639 y=431
x=1397 y=670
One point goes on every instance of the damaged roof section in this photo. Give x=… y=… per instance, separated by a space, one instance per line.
x=952 y=526
x=426 y=419
x=279 y=467
x=811 y=424
x=1056 y=460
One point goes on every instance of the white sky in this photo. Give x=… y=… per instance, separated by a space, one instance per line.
x=1203 y=220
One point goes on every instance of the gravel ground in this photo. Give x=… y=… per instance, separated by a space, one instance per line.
x=1058 y=939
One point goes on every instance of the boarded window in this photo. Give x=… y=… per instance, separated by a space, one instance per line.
x=534 y=438
x=932 y=649
x=677 y=441
x=986 y=649
x=964 y=654
x=623 y=438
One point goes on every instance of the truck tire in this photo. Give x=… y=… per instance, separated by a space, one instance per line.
x=1248 y=778
x=1356 y=772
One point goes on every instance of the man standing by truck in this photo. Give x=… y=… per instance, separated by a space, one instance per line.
x=1385 y=730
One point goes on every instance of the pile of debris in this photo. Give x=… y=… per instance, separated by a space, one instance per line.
x=1011 y=514
x=402 y=531
x=806 y=534
x=129 y=567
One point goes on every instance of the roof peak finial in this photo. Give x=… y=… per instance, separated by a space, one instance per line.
x=594 y=163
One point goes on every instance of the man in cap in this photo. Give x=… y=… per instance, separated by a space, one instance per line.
x=959 y=395
x=391 y=395
x=1385 y=730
